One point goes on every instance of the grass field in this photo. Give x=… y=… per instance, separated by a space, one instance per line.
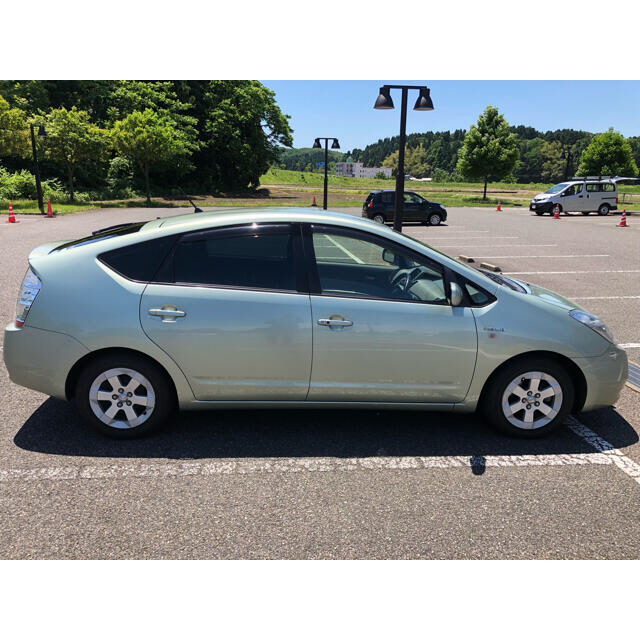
x=297 y=189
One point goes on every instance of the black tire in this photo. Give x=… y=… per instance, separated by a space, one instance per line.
x=603 y=209
x=379 y=218
x=161 y=394
x=434 y=219
x=492 y=401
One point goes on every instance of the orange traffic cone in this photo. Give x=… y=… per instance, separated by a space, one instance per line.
x=498 y=208
x=623 y=220
x=314 y=202
x=12 y=216
x=49 y=211
x=556 y=212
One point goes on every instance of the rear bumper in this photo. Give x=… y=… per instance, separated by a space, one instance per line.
x=606 y=375
x=39 y=359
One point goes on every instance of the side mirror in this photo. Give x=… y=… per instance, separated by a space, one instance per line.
x=389 y=256
x=456 y=294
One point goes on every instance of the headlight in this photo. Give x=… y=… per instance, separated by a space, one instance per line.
x=28 y=291
x=593 y=322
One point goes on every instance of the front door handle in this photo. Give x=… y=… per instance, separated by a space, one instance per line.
x=168 y=314
x=334 y=322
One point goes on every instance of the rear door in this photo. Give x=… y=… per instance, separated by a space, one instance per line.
x=229 y=307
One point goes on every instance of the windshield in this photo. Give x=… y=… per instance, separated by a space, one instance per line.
x=557 y=187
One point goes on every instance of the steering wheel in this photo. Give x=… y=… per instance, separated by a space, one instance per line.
x=403 y=279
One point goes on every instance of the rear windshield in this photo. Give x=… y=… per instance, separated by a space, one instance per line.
x=104 y=235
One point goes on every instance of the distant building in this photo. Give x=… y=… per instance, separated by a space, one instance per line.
x=357 y=170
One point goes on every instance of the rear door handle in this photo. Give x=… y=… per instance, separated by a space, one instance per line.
x=334 y=322
x=168 y=314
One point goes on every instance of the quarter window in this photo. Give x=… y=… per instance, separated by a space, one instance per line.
x=259 y=257
x=361 y=266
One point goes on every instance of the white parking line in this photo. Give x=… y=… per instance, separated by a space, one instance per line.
x=631 y=468
x=605 y=454
x=337 y=244
x=533 y=273
x=603 y=297
x=492 y=246
x=630 y=345
x=599 y=255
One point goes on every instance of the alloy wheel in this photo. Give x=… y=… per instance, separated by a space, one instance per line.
x=122 y=398
x=532 y=400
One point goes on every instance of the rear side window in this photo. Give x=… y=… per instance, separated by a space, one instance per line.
x=608 y=186
x=139 y=261
x=388 y=198
x=254 y=258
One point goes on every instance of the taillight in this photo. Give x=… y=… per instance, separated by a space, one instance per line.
x=370 y=204
x=616 y=199
x=29 y=289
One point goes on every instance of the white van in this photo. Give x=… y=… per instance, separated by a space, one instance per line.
x=582 y=194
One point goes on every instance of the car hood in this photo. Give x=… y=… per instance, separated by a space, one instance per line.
x=542 y=196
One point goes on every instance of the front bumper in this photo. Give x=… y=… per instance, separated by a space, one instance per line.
x=605 y=376
x=39 y=359
x=544 y=207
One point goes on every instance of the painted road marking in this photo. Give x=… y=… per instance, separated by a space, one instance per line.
x=631 y=468
x=351 y=255
x=603 y=255
x=603 y=297
x=605 y=454
x=630 y=345
x=533 y=273
x=484 y=246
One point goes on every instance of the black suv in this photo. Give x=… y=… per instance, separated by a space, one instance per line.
x=379 y=207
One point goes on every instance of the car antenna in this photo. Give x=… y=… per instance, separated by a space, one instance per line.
x=195 y=209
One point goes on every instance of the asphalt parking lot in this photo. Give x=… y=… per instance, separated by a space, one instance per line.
x=339 y=484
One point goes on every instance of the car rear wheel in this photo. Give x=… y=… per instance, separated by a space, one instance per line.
x=379 y=218
x=434 y=219
x=603 y=210
x=124 y=396
x=529 y=398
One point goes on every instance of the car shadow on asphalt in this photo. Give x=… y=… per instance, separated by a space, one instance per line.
x=56 y=428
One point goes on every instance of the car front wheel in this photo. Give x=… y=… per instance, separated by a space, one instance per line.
x=529 y=398
x=124 y=396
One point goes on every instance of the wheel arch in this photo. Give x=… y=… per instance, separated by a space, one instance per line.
x=76 y=369
x=574 y=371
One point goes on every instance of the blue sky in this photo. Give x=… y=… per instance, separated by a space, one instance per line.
x=344 y=108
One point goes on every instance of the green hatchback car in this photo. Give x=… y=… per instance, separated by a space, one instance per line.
x=289 y=308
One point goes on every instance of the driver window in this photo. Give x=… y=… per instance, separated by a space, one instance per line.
x=353 y=265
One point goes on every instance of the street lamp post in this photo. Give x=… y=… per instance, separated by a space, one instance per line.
x=423 y=103
x=317 y=145
x=36 y=167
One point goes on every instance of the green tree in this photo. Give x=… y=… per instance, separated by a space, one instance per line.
x=489 y=150
x=241 y=130
x=151 y=140
x=415 y=162
x=553 y=161
x=72 y=139
x=608 y=154
x=14 y=137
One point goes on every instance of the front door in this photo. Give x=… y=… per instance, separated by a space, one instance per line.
x=230 y=314
x=573 y=198
x=383 y=329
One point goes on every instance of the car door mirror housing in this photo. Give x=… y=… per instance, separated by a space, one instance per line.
x=389 y=256
x=457 y=296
